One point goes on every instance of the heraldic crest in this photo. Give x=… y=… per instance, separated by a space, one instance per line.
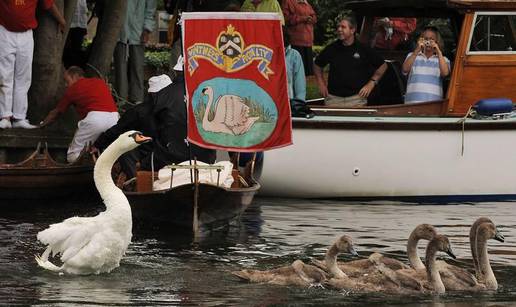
x=230 y=54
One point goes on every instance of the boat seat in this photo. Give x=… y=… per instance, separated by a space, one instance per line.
x=144 y=181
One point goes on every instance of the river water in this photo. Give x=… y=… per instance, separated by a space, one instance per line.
x=175 y=269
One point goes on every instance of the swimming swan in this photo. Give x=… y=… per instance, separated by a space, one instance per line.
x=485 y=232
x=438 y=243
x=363 y=266
x=455 y=278
x=422 y=231
x=371 y=274
x=473 y=244
x=93 y=245
x=231 y=114
x=297 y=274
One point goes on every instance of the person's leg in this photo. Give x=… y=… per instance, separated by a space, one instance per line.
x=120 y=59
x=88 y=131
x=345 y=102
x=7 y=60
x=136 y=73
x=22 y=79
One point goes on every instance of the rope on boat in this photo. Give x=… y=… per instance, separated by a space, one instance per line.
x=463 y=122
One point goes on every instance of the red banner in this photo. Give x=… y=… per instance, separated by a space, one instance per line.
x=236 y=82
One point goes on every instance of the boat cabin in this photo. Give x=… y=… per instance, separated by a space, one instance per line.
x=480 y=42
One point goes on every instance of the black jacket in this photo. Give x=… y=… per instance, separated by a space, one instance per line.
x=161 y=116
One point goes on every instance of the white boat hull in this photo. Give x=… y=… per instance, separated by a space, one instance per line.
x=385 y=163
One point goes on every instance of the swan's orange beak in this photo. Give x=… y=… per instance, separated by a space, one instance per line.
x=140 y=138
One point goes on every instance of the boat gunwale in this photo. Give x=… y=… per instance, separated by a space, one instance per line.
x=255 y=187
x=402 y=123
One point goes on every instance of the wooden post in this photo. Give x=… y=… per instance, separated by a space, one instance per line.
x=195 y=222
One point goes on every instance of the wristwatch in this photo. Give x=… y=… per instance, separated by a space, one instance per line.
x=374 y=81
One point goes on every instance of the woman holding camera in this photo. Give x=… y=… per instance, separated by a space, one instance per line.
x=426 y=66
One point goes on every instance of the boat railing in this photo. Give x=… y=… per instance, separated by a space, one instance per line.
x=195 y=167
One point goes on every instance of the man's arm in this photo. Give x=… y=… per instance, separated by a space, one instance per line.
x=366 y=90
x=409 y=61
x=50 y=118
x=443 y=65
x=299 y=79
x=321 y=83
x=54 y=11
x=149 y=21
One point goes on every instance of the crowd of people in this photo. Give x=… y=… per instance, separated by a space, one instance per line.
x=355 y=70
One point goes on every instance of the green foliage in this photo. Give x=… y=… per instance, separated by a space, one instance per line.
x=328 y=13
x=157 y=59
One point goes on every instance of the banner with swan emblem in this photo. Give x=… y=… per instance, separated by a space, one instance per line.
x=236 y=82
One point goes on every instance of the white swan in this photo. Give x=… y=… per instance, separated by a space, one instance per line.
x=231 y=114
x=93 y=245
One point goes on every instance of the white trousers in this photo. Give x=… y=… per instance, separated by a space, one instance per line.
x=16 y=51
x=88 y=130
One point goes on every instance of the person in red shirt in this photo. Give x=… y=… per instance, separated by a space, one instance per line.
x=300 y=19
x=391 y=33
x=94 y=104
x=17 y=19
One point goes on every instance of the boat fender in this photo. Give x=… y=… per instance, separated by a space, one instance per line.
x=491 y=106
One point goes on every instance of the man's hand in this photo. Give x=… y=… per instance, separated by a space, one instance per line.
x=309 y=19
x=61 y=24
x=52 y=115
x=145 y=37
x=323 y=89
x=366 y=90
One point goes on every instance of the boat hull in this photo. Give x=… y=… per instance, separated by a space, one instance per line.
x=217 y=206
x=386 y=158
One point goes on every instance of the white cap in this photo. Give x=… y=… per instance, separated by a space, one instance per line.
x=179 y=64
x=157 y=83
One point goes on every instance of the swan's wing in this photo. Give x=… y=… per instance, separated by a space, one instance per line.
x=104 y=249
x=453 y=275
x=56 y=235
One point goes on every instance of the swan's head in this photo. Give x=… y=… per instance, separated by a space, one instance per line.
x=442 y=244
x=131 y=139
x=488 y=231
x=345 y=244
x=207 y=91
x=425 y=231
x=482 y=220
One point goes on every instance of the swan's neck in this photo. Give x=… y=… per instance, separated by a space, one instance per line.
x=414 y=259
x=331 y=262
x=432 y=271
x=474 y=249
x=485 y=266
x=208 y=108
x=110 y=193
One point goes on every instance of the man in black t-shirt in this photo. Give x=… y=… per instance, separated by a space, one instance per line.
x=355 y=69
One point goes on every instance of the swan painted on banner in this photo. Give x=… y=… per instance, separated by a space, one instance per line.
x=231 y=114
x=93 y=245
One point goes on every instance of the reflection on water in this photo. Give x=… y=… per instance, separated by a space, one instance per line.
x=173 y=269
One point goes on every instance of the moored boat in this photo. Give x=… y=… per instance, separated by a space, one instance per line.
x=40 y=176
x=193 y=206
x=432 y=150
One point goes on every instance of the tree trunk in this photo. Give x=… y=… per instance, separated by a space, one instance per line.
x=47 y=70
x=108 y=32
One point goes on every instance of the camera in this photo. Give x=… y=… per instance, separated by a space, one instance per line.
x=428 y=43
